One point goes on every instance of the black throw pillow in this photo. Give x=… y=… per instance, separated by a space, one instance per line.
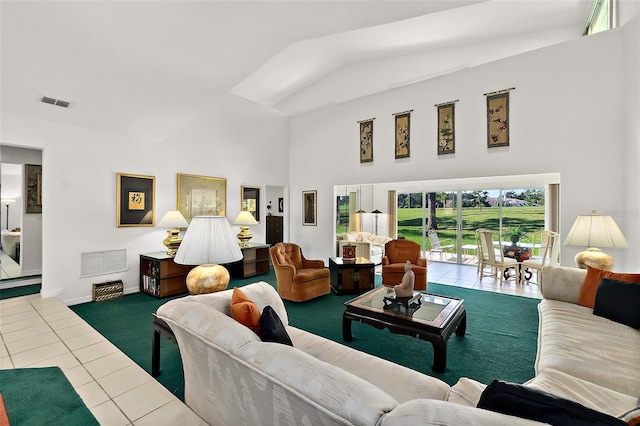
x=618 y=301
x=272 y=329
x=520 y=401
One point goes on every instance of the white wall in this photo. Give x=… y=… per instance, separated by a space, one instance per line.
x=630 y=216
x=566 y=117
x=234 y=139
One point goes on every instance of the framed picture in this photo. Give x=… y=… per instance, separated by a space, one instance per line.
x=498 y=120
x=135 y=200
x=446 y=129
x=403 y=128
x=33 y=185
x=250 y=200
x=201 y=196
x=309 y=208
x=280 y=205
x=366 y=141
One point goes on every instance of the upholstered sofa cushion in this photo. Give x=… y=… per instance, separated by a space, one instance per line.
x=339 y=391
x=400 y=382
x=573 y=340
x=592 y=281
x=618 y=301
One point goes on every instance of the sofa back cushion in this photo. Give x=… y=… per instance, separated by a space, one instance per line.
x=289 y=254
x=327 y=387
x=399 y=251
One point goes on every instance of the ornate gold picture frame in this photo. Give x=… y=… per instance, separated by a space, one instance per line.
x=135 y=200
x=201 y=196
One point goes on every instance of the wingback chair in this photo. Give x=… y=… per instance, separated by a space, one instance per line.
x=298 y=279
x=396 y=254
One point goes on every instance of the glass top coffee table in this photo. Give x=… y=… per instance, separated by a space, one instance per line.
x=425 y=316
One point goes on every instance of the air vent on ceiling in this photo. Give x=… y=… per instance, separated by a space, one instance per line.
x=57 y=102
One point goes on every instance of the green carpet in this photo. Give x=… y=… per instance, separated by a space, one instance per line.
x=42 y=396
x=20 y=291
x=500 y=341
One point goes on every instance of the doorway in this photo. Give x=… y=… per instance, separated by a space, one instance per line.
x=21 y=239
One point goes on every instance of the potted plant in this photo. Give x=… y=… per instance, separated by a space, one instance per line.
x=515 y=234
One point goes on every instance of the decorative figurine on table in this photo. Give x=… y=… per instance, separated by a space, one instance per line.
x=405 y=288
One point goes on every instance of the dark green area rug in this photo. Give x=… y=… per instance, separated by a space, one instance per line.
x=500 y=341
x=42 y=396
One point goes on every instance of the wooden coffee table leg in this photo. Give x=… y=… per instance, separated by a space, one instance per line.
x=346 y=328
x=439 y=355
x=462 y=327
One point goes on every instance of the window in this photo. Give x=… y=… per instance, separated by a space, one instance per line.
x=600 y=17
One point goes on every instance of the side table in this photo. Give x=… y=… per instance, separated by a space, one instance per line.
x=351 y=276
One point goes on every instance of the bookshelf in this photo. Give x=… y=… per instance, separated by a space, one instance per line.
x=160 y=276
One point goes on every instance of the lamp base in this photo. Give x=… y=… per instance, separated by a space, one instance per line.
x=595 y=258
x=207 y=278
x=172 y=242
x=244 y=236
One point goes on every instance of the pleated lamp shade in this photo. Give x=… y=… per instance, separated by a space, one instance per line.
x=208 y=242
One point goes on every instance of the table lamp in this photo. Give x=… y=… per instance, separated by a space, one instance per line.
x=245 y=219
x=595 y=231
x=208 y=242
x=173 y=220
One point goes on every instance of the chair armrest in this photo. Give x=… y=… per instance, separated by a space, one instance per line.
x=385 y=260
x=312 y=264
x=422 y=261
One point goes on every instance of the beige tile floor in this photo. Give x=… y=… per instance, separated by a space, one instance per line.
x=36 y=332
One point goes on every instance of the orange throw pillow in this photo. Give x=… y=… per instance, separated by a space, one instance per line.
x=245 y=311
x=592 y=281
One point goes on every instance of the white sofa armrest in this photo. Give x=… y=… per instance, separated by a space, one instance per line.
x=562 y=283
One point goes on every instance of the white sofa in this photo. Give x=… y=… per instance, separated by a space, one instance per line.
x=232 y=377
x=581 y=356
x=368 y=245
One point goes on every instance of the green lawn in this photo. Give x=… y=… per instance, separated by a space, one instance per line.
x=531 y=219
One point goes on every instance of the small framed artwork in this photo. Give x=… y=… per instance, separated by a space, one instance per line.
x=366 y=141
x=309 y=208
x=33 y=185
x=446 y=129
x=135 y=200
x=280 y=205
x=498 y=120
x=403 y=130
x=250 y=200
x=201 y=196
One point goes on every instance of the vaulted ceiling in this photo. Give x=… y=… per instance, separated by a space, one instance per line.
x=147 y=68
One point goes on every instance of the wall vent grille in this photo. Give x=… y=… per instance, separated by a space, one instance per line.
x=103 y=262
x=57 y=102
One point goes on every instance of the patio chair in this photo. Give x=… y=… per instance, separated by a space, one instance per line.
x=550 y=248
x=436 y=246
x=495 y=258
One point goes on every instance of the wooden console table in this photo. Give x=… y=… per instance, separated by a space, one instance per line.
x=255 y=261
